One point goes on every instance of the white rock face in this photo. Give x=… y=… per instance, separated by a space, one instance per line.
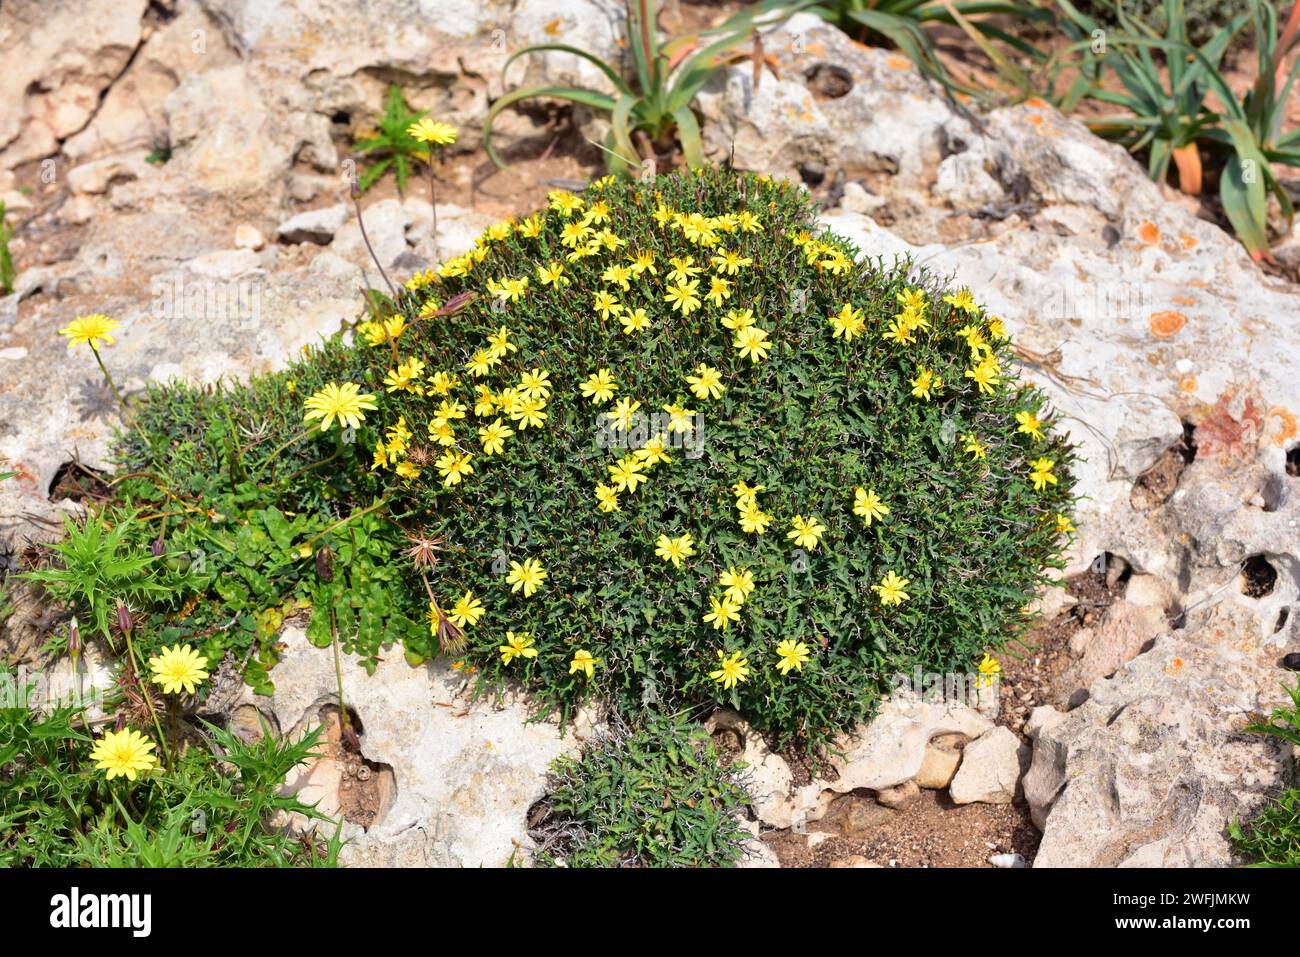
x=991 y=768
x=466 y=772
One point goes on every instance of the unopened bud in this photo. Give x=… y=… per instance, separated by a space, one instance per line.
x=325 y=564
x=124 y=623
x=74 y=639
x=157 y=547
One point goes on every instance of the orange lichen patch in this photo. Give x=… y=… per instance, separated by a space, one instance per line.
x=1231 y=430
x=1281 y=426
x=1189 y=241
x=1035 y=119
x=1037 y=102
x=816 y=49
x=554 y=27
x=898 y=63
x=1184 y=301
x=1198 y=284
x=1175 y=666
x=1166 y=323
x=1149 y=233
x=1187 y=383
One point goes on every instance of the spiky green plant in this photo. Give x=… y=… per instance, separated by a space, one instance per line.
x=390 y=143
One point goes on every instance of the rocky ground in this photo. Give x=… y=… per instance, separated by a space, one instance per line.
x=1114 y=737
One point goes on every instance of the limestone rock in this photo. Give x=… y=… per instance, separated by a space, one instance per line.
x=991 y=768
x=938 y=767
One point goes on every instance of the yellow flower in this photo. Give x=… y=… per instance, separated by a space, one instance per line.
x=806 y=532
x=467 y=611
x=499 y=343
x=528 y=576
x=494 y=437
x=731 y=669
x=974 y=446
x=738 y=582
x=682 y=269
x=634 y=320
x=531 y=227
x=583 y=662
x=679 y=418
x=900 y=331
x=1063 y=525
x=344 y=402
x=738 y=319
x=517 y=646
x=480 y=363
x=684 y=297
x=442 y=432
x=746 y=495
x=963 y=301
x=752 y=343
x=607 y=498
x=627 y=473
x=605 y=304
x=563 y=202
x=675 y=550
x=642 y=262
x=618 y=275
x=535 y=384
x=452 y=466
x=719 y=290
x=729 y=262
x=623 y=412
x=552 y=274
x=998 y=329
x=124 y=752
x=754 y=520
x=868 y=505
x=1030 y=425
x=91 y=329
x=706 y=383
x=407 y=471
x=848 y=322
x=984 y=375
x=442 y=383
x=485 y=404
x=428 y=131
x=792 y=654
x=911 y=299
x=600 y=386
x=654 y=451
x=178 y=667
x=891 y=588
x=990 y=668
x=1040 y=473
x=925 y=383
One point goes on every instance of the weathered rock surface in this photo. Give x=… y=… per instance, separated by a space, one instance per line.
x=465 y=772
x=991 y=768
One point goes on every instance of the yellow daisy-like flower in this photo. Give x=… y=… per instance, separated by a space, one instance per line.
x=754 y=520
x=499 y=343
x=634 y=320
x=848 y=322
x=974 y=446
x=517 y=646
x=911 y=299
x=891 y=590
x=346 y=403
x=925 y=383
x=679 y=418
x=467 y=611
x=682 y=269
x=868 y=506
x=563 y=202
x=528 y=576
x=494 y=437
x=738 y=319
x=962 y=300
x=552 y=274
x=584 y=663
x=623 y=412
x=627 y=473
x=984 y=375
x=675 y=550
x=654 y=451
x=607 y=498
x=91 y=330
x=453 y=466
x=806 y=532
x=752 y=343
x=429 y=131
x=731 y=669
x=1030 y=424
x=738 y=582
x=1063 y=525
x=719 y=290
x=746 y=494
x=535 y=384
x=178 y=668
x=684 y=297
x=792 y=655
x=990 y=669
x=529 y=412
x=599 y=387
x=1040 y=473
x=706 y=383
x=123 y=754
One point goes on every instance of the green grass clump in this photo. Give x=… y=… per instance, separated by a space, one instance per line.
x=655 y=797
x=212 y=808
x=285 y=517
x=1272 y=839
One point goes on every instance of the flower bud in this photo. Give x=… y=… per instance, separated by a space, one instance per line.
x=124 y=623
x=74 y=639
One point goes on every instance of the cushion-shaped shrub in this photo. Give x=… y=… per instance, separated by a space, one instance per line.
x=667 y=441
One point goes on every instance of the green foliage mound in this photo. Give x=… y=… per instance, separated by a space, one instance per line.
x=830 y=383
x=658 y=796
